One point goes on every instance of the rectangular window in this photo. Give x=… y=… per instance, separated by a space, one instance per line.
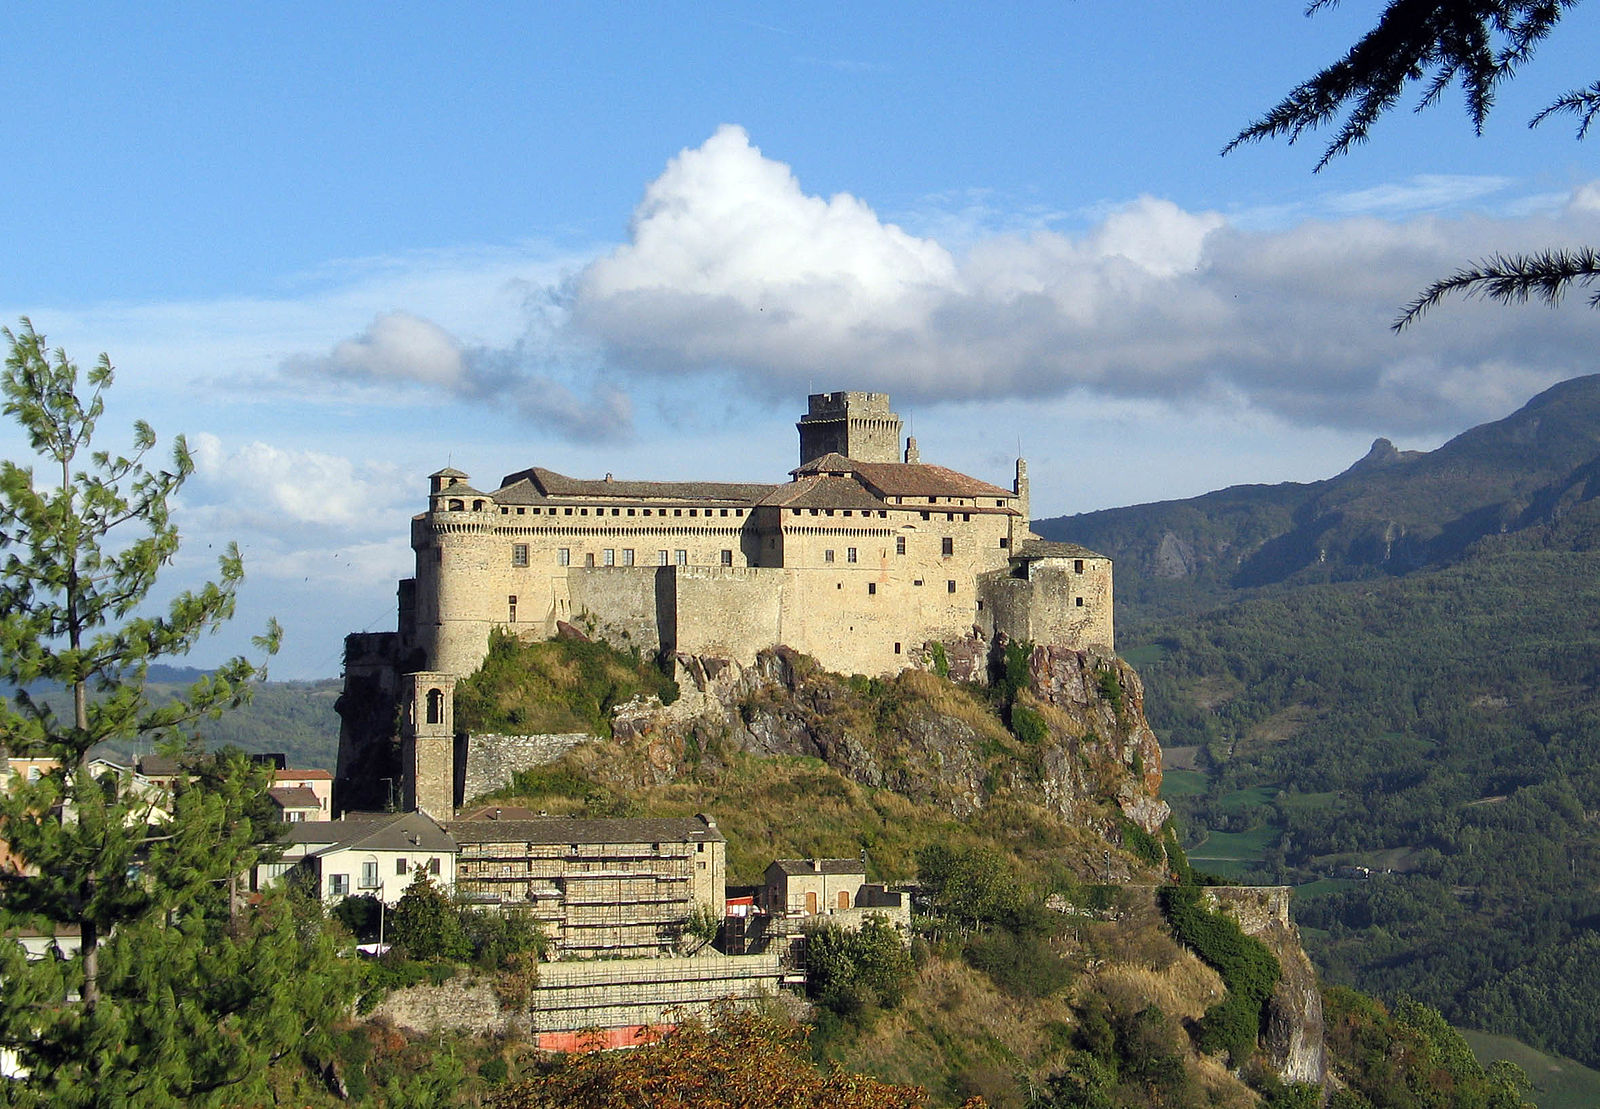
x=872 y=588
x=849 y=554
x=727 y=558
x=899 y=544
x=627 y=557
x=564 y=556
x=947 y=546
x=433 y=866
x=1078 y=601
x=369 y=875
x=610 y=556
x=519 y=554
x=1077 y=566
x=588 y=559
x=1004 y=543
x=400 y=867
x=827 y=556
x=338 y=885
x=661 y=558
x=681 y=557
x=949 y=587
x=511 y=607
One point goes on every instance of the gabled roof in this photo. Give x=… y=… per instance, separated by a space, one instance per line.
x=562 y=829
x=448 y=471
x=824 y=491
x=902 y=479
x=304 y=775
x=295 y=797
x=410 y=831
x=819 y=866
x=1044 y=548
x=536 y=483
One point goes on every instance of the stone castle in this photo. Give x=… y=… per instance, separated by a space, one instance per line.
x=865 y=559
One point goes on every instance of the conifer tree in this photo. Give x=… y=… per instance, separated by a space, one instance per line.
x=178 y=990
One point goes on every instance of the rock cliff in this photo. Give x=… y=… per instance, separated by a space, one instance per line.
x=1086 y=753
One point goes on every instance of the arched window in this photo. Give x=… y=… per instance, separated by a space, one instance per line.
x=435 y=706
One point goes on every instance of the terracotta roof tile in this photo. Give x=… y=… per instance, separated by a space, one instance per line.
x=561 y=829
x=819 y=866
x=548 y=484
x=1044 y=548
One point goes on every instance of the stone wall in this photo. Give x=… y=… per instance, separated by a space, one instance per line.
x=620 y=604
x=492 y=759
x=571 y=997
x=1054 y=604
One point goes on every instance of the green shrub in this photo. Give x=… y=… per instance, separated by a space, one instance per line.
x=1141 y=843
x=1029 y=726
x=1110 y=684
x=941 y=661
x=1248 y=970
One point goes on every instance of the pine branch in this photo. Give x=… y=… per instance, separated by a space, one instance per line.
x=1512 y=279
x=1583 y=103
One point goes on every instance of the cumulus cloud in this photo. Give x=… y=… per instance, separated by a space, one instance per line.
x=732 y=267
x=400 y=349
x=267 y=487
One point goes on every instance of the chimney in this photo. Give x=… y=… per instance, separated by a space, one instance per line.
x=912 y=457
x=495 y=815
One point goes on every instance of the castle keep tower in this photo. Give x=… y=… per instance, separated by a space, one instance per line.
x=856 y=425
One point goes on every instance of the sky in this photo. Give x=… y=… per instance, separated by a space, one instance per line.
x=339 y=247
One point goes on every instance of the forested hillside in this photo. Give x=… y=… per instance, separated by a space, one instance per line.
x=1428 y=708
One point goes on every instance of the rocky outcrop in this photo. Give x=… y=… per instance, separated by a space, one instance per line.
x=1294 y=1032
x=928 y=739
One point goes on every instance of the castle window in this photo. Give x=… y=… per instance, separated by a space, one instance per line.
x=681 y=557
x=827 y=556
x=457 y=505
x=947 y=546
x=677 y=512
x=588 y=559
x=477 y=506
x=794 y=512
x=627 y=557
x=966 y=517
x=564 y=556
x=569 y=512
x=916 y=581
x=435 y=706
x=610 y=556
x=511 y=608
x=1004 y=542
x=899 y=544
x=618 y=512
x=522 y=512
x=647 y=512
x=830 y=512
x=925 y=516
x=583 y=512
x=1078 y=601
x=847 y=512
x=504 y=511
x=980 y=606
x=872 y=588
x=724 y=512
x=630 y=512
x=1077 y=566
x=897 y=648
x=813 y=512
x=519 y=554
x=949 y=587
x=693 y=511
x=849 y=554
x=727 y=558
x=661 y=558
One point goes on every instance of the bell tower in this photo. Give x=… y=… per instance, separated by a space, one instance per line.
x=428 y=745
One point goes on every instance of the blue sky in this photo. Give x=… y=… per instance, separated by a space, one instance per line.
x=341 y=247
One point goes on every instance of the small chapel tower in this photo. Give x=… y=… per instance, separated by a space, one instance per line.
x=428 y=745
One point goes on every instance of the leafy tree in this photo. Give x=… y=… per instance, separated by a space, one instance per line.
x=737 y=1059
x=970 y=887
x=1433 y=44
x=177 y=989
x=850 y=971
x=426 y=925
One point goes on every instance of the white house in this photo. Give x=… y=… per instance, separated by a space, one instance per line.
x=364 y=854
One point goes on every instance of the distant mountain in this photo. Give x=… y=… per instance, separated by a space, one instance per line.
x=1391 y=512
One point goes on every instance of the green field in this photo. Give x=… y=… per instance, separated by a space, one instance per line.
x=1322 y=887
x=1182 y=783
x=1557 y=1083
x=1142 y=658
x=1230 y=854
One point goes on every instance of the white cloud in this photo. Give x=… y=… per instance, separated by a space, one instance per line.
x=395 y=347
x=732 y=267
x=260 y=485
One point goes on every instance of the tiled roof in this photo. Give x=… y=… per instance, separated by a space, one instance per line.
x=561 y=829
x=918 y=479
x=305 y=775
x=1043 y=548
x=819 y=866
x=817 y=491
x=409 y=831
x=295 y=797
x=448 y=471
x=543 y=484
x=159 y=765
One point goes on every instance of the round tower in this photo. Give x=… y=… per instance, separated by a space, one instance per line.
x=459 y=572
